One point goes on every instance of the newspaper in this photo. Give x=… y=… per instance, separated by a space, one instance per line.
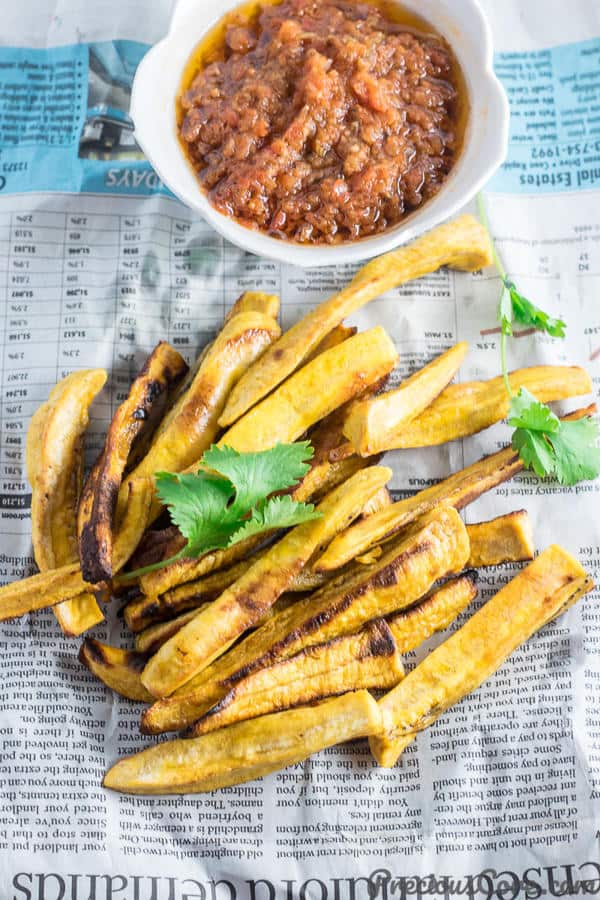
x=500 y=798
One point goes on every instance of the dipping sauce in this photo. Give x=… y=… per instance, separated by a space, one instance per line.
x=321 y=121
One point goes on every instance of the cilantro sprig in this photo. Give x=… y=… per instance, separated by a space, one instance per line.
x=547 y=445
x=230 y=498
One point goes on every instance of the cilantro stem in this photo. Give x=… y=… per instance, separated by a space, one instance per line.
x=502 y=273
x=509 y=390
x=481 y=209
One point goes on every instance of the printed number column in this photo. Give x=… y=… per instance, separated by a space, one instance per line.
x=35 y=250
x=88 y=305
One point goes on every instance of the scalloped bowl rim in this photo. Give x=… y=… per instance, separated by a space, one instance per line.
x=463 y=24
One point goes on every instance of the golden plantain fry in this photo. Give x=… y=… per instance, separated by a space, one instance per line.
x=465 y=660
x=368 y=659
x=316 y=390
x=255 y=301
x=118 y=669
x=151 y=638
x=54 y=461
x=457 y=490
x=336 y=336
x=411 y=627
x=465 y=409
x=42 y=590
x=247 y=750
x=248 y=599
x=461 y=244
x=506 y=538
x=381 y=500
x=190 y=426
x=371 y=422
x=436 y=548
x=135 y=418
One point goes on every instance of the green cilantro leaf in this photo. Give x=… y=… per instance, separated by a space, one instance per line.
x=228 y=499
x=256 y=475
x=526 y=411
x=278 y=512
x=526 y=313
x=565 y=450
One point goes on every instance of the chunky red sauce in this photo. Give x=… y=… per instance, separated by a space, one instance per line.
x=322 y=121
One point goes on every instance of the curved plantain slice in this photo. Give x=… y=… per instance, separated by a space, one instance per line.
x=138 y=415
x=370 y=422
x=118 y=669
x=190 y=426
x=243 y=604
x=542 y=591
x=54 y=461
x=438 y=547
x=336 y=336
x=153 y=637
x=507 y=538
x=465 y=409
x=247 y=750
x=458 y=490
x=462 y=244
x=301 y=401
x=255 y=301
x=367 y=659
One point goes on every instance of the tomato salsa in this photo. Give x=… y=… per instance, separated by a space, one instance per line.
x=321 y=121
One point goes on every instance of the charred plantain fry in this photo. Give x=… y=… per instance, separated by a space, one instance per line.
x=371 y=422
x=438 y=547
x=506 y=538
x=301 y=401
x=244 y=603
x=462 y=244
x=465 y=409
x=247 y=750
x=118 y=669
x=368 y=659
x=139 y=414
x=151 y=638
x=457 y=490
x=465 y=660
x=411 y=627
x=190 y=426
x=54 y=462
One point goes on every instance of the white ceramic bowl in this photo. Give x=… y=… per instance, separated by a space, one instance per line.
x=464 y=26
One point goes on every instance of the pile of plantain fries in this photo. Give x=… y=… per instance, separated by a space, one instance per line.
x=275 y=648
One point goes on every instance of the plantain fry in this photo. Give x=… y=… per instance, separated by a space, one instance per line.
x=507 y=538
x=371 y=422
x=42 y=590
x=336 y=336
x=118 y=669
x=248 y=599
x=129 y=527
x=54 y=462
x=190 y=426
x=381 y=500
x=368 y=659
x=436 y=548
x=411 y=627
x=247 y=750
x=345 y=370
x=465 y=660
x=255 y=301
x=144 y=611
x=136 y=418
x=461 y=244
x=457 y=490
x=151 y=638
x=465 y=409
